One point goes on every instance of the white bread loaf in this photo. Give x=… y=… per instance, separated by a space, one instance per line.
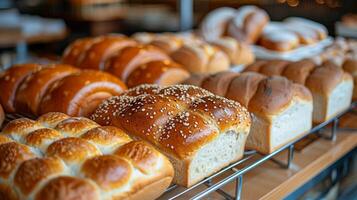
x=58 y=157
x=276 y=103
x=201 y=133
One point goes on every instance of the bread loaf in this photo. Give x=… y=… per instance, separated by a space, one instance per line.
x=199 y=132
x=10 y=81
x=79 y=94
x=130 y=58
x=277 y=37
x=163 y=73
x=350 y=66
x=201 y=58
x=276 y=104
x=248 y=24
x=330 y=86
x=59 y=157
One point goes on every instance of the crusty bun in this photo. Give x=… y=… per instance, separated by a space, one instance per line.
x=184 y=122
x=79 y=94
x=238 y=52
x=127 y=60
x=10 y=81
x=163 y=73
x=201 y=58
x=248 y=24
x=277 y=38
x=74 y=53
x=31 y=91
x=77 y=159
x=167 y=42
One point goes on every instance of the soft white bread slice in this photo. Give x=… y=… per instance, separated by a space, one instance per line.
x=332 y=91
x=200 y=133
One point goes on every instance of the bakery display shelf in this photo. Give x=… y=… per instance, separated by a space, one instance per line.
x=234 y=173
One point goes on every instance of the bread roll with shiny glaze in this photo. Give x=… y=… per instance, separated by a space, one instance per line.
x=74 y=53
x=199 y=132
x=276 y=103
x=167 y=42
x=93 y=163
x=32 y=90
x=130 y=58
x=10 y=81
x=163 y=73
x=201 y=58
x=247 y=24
x=79 y=94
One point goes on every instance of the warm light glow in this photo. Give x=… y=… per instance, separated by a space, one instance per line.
x=281 y=1
x=293 y=3
x=320 y=1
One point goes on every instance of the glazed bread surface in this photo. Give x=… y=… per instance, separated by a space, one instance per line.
x=59 y=157
x=199 y=132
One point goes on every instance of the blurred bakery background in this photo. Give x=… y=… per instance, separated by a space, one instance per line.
x=45 y=27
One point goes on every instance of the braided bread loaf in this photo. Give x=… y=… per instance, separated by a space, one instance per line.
x=330 y=86
x=35 y=89
x=199 y=132
x=58 y=157
x=276 y=103
x=121 y=56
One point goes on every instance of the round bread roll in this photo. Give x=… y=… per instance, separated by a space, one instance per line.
x=201 y=58
x=127 y=60
x=167 y=42
x=96 y=56
x=247 y=24
x=238 y=52
x=80 y=93
x=73 y=54
x=214 y=25
x=31 y=91
x=10 y=80
x=163 y=73
x=279 y=40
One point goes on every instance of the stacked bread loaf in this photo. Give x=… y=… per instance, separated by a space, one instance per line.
x=198 y=131
x=35 y=89
x=276 y=103
x=126 y=59
x=59 y=157
x=330 y=86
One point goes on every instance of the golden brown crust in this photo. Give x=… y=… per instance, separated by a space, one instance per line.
x=167 y=42
x=124 y=63
x=4 y=139
x=70 y=188
x=75 y=126
x=273 y=67
x=12 y=154
x=31 y=172
x=158 y=72
x=6 y=192
x=72 y=150
x=20 y=127
x=255 y=67
x=52 y=119
x=195 y=79
x=243 y=87
x=218 y=83
x=273 y=95
x=299 y=71
x=179 y=119
x=80 y=93
x=350 y=66
x=38 y=137
x=74 y=53
x=302 y=92
x=10 y=80
x=106 y=135
x=32 y=90
x=99 y=52
x=324 y=79
x=108 y=171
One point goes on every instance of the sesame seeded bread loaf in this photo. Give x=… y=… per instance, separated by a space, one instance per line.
x=33 y=89
x=199 y=132
x=330 y=86
x=276 y=103
x=62 y=158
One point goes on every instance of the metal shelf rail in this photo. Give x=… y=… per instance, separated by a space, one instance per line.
x=235 y=171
